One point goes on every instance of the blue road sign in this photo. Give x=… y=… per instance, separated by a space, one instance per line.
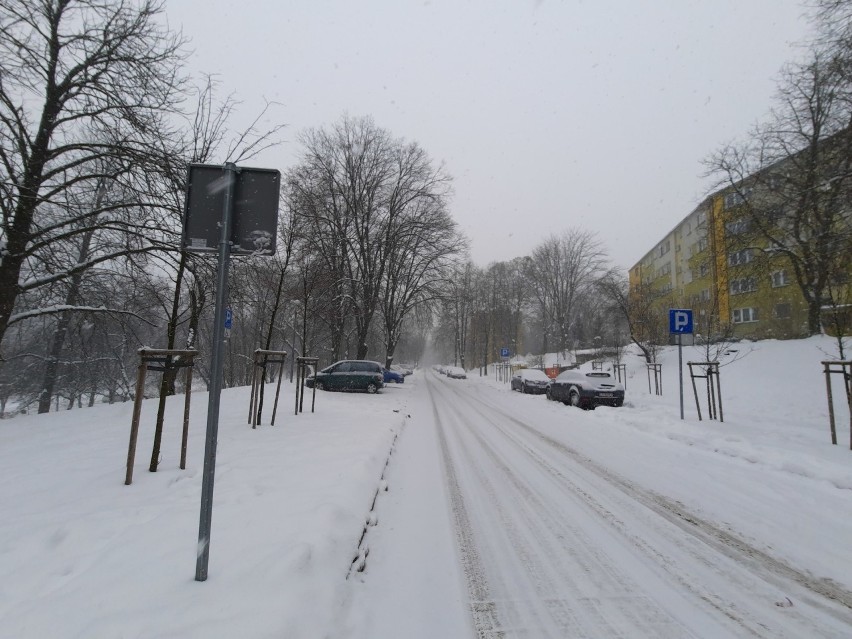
x=504 y=352
x=680 y=321
x=229 y=318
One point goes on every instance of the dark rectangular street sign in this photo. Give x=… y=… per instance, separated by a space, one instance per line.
x=255 y=212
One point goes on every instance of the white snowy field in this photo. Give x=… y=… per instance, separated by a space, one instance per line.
x=83 y=555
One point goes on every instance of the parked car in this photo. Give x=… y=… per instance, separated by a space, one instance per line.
x=403 y=369
x=392 y=376
x=349 y=374
x=456 y=372
x=586 y=390
x=530 y=380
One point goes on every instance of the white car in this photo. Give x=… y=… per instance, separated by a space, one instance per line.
x=402 y=369
x=456 y=372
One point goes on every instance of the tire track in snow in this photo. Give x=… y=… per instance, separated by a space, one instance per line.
x=531 y=524
x=760 y=565
x=724 y=541
x=576 y=590
x=485 y=617
x=534 y=605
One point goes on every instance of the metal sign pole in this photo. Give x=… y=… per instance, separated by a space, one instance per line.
x=680 y=368
x=204 y=525
x=680 y=322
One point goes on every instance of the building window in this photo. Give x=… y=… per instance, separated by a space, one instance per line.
x=744 y=315
x=733 y=199
x=743 y=285
x=704 y=269
x=779 y=278
x=737 y=227
x=702 y=244
x=665 y=269
x=702 y=217
x=783 y=311
x=665 y=247
x=705 y=295
x=736 y=258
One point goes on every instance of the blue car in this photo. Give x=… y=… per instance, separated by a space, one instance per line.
x=392 y=376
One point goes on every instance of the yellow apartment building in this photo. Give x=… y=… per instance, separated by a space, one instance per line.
x=699 y=265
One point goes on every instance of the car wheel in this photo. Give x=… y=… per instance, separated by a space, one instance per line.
x=574 y=397
x=319 y=385
x=372 y=388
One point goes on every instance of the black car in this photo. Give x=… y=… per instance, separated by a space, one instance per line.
x=349 y=374
x=530 y=380
x=586 y=390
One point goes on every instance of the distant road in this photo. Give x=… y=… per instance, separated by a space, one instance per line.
x=553 y=544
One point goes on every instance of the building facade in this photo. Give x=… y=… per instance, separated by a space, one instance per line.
x=705 y=264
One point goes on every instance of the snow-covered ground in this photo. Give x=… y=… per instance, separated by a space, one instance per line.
x=83 y=555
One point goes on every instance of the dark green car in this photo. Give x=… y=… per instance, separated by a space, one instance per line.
x=349 y=374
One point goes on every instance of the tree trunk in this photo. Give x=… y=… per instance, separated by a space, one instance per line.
x=170 y=374
x=814 y=317
x=268 y=343
x=18 y=233
x=50 y=372
x=391 y=349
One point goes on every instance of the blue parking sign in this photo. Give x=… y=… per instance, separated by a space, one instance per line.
x=504 y=352
x=680 y=321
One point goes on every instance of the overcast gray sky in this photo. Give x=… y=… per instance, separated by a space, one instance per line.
x=548 y=114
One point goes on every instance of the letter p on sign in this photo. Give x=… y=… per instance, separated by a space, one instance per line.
x=680 y=321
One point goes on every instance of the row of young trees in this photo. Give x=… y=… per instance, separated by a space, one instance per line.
x=97 y=126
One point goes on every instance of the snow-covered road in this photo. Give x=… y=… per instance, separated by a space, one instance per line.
x=554 y=544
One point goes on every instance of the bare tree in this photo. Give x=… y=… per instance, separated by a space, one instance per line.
x=457 y=305
x=372 y=211
x=564 y=267
x=640 y=308
x=790 y=183
x=539 y=303
x=421 y=251
x=84 y=85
